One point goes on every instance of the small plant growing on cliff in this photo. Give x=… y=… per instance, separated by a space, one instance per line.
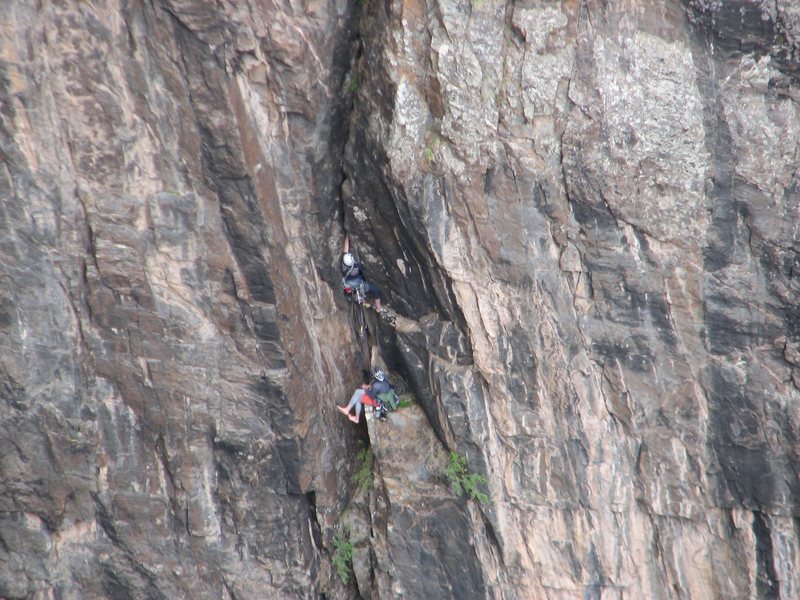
x=342 y=556
x=433 y=141
x=405 y=401
x=352 y=84
x=461 y=480
x=364 y=474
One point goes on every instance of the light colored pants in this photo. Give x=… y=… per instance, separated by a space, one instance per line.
x=355 y=400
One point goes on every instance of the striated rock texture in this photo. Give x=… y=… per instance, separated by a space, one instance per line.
x=585 y=216
x=592 y=210
x=170 y=349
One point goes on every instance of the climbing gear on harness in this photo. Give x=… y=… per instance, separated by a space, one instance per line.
x=375 y=405
x=355 y=292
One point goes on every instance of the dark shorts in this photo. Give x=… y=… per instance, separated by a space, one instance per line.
x=372 y=290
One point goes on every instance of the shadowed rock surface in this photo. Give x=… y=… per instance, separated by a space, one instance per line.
x=584 y=215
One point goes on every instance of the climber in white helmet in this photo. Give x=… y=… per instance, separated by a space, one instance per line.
x=353 y=278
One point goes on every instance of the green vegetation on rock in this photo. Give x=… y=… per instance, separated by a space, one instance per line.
x=406 y=400
x=342 y=556
x=364 y=475
x=461 y=480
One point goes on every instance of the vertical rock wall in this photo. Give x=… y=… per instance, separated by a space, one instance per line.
x=168 y=182
x=591 y=212
x=584 y=215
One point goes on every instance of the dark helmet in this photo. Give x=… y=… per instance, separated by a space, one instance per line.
x=377 y=374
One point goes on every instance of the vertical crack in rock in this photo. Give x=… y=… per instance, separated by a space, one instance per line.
x=767 y=584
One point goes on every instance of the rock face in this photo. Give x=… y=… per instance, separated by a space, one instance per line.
x=601 y=207
x=585 y=217
x=170 y=347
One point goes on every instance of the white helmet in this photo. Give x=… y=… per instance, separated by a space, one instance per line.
x=377 y=374
x=347 y=259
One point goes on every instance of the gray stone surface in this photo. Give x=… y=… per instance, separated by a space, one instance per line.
x=585 y=217
x=167 y=169
x=614 y=236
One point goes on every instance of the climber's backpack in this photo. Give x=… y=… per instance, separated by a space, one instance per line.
x=389 y=399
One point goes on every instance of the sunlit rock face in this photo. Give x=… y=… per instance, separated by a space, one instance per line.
x=584 y=216
x=592 y=212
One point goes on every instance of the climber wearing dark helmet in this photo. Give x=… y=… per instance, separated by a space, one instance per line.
x=353 y=277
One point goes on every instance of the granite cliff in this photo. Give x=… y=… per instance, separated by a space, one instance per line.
x=584 y=216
